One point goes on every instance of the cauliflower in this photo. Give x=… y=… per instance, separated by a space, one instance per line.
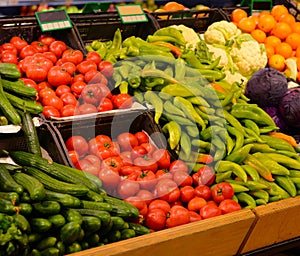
x=235 y=77
x=219 y=52
x=220 y=32
x=248 y=55
x=189 y=34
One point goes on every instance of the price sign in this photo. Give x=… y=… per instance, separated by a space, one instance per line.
x=131 y=13
x=53 y=20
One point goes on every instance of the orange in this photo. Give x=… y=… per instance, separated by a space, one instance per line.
x=297 y=52
x=173 y=6
x=272 y=40
x=281 y=30
x=298 y=76
x=278 y=10
x=287 y=72
x=258 y=35
x=277 y=61
x=296 y=27
x=266 y=22
x=293 y=40
x=269 y=50
x=246 y=25
x=284 y=49
x=298 y=64
x=255 y=18
x=237 y=14
x=263 y=12
x=287 y=18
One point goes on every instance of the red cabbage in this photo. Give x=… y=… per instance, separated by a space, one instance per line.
x=276 y=116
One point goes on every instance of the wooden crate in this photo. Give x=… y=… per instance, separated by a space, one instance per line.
x=275 y=222
x=220 y=236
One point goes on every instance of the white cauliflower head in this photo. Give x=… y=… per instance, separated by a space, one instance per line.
x=235 y=77
x=219 y=52
x=189 y=34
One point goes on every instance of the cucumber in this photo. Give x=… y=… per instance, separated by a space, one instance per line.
x=40 y=225
x=47 y=207
x=127 y=233
x=9 y=71
x=18 y=87
x=70 y=232
x=51 y=251
x=7 y=207
x=72 y=215
x=35 y=237
x=59 y=171
x=10 y=196
x=139 y=229
x=22 y=223
x=64 y=199
x=90 y=224
x=25 y=197
x=34 y=187
x=93 y=196
x=96 y=205
x=56 y=185
x=102 y=215
x=12 y=168
x=7 y=182
x=25 y=209
x=118 y=222
x=57 y=220
x=74 y=247
x=47 y=242
x=30 y=133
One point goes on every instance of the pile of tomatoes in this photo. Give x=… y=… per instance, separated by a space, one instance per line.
x=131 y=167
x=68 y=82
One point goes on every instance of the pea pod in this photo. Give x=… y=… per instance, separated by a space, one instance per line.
x=174 y=131
x=156 y=102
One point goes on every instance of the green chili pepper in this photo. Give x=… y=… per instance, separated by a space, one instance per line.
x=116 y=42
x=152 y=98
x=229 y=143
x=185 y=145
x=277 y=143
x=267 y=129
x=223 y=176
x=202 y=144
x=274 y=189
x=153 y=81
x=234 y=122
x=177 y=89
x=239 y=155
x=296 y=181
x=172 y=109
x=285 y=160
x=179 y=119
x=179 y=69
x=149 y=51
x=294 y=173
x=261 y=194
x=158 y=73
x=225 y=165
x=192 y=130
x=3 y=120
x=251 y=125
x=275 y=198
x=211 y=131
x=251 y=171
x=198 y=100
x=138 y=95
x=239 y=137
x=123 y=87
x=261 y=147
x=170 y=31
x=250 y=133
x=174 y=131
x=252 y=185
x=260 y=201
x=89 y=48
x=237 y=186
x=246 y=199
x=289 y=154
x=191 y=59
x=134 y=82
x=287 y=184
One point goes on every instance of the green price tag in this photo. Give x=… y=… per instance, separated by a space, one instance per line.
x=53 y=20
x=131 y=13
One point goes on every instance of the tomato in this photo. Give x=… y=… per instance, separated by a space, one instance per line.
x=178 y=216
x=186 y=193
x=9 y=47
x=36 y=72
x=85 y=66
x=221 y=191
x=69 y=67
x=68 y=110
x=74 y=157
x=203 y=191
x=44 y=85
x=29 y=82
x=96 y=77
x=91 y=94
x=146 y=163
x=142 y=137
x=163 y=173
x=127 y=141
x=103 y=147
x=105 y=105
x=134 y=174
x=46 y=39
x=28 y=50
x=209 y=211
x=71 y=55
x=126 y=157
x=162 y=157
x=9 y=57
x=50 y=111
x=182 y=178
x=196 y=203
x=61 y=89
x=194 y=216
x=211 y=202
x=77 y=87
x=150 y=147
x=206 y=176
x=160 y=204
x=156 y=219
x=128 y=169
x=57 y=47
x=113 y=162
x=103 y=139
x=139 y=204
x=41 y=47
x=78 y=77
x=106 y=68
x=86 y=166
x=229 y=205
x=109 y=178
x=46 y=92
x=147 y=180
x=58 y=76
x=69 y=99
x=145 y=195
x=127 y=188
x=122 y=101
x=178 y=165
x=105 y=91
x=85 y=108
x=51 y=56
x=77 y=143
x=94 y=160
x=18 y=42
x=167 y=190
x=52 y=100
x=138 y=151
x=93 y=56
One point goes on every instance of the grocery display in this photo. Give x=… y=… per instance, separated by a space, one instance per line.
x=140 y=138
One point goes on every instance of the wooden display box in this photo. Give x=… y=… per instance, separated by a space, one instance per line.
x=220 y=236
x=275 y=222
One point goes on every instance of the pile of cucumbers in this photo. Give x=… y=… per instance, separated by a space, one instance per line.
x=59 y=209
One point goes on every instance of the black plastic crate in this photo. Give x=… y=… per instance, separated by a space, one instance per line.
x=229 y=10
x=28 y=28
x=291 y=5
x=102 y=26
x=199 y=20
x=111 y=125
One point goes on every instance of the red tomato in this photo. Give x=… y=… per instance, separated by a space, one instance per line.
x=77 y=143
x=18 y=42
x=160 y=204
x=93 y=56
x=126 y=157
x=91 y=94
x=51 y=56
x=163 y=173
x=44 y=85
x=78 y=77
x=142 y=137
x=128 y=169
x=122 y=101
x=61 y=89
x=127 y=188
x=147 y=180
x=69 y=67
x=53 y=100
x=203 y=191
x=74 y=56
x=73 y=156
x=187 y=193
x=113 y=162
x=69 y=99
x=105 y=105
x=109 y=178
x=41 y=47
x=204 y=176
x=9 y=57
x=139 y=204
x=162 y=157
x=178 y=165
x=28 y=50
x=127 y=141
x=106 y=68
x=156 y=219
x=36 y=72
x=87 y=166
x=178 y=216
x=93 y=159
x=105 y=91
x=138 y=151
x=68 y=110
x=196 y=203
x=58 y=76
x=229 y=205
x=9 y=47
x=209 y=211
x=146 y=163
x=46 y=39
x=150 y=147
x=50 y=111
x=85 y=66
x=77 y=87
x=145 y=195
x=29 y=82
x=46 y=92
x=86 y=108
x=221 y=191
x=57 y=47
x=103 y=147
x=182 y=178
x=194 y=216
x=167 y=190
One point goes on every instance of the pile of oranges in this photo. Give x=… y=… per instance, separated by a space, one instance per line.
x=277 y=29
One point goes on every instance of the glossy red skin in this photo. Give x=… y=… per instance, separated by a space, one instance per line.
x=146 y=163
x=41 y=47
x=69 y=99
x=57 y=47
x=61 y=89
x=78 y=144
x=18 y=42
x=29 y=82
x=93 y=56
x=204 y=176
x=9 y=47
x=77 y=87
x=209 y=211
x=178 y=216
x=167 y=190
x=106 y=68
x=109 y=178
x=45 y=39
x=50 y=111
x=187 y=193
x=139 y=204
x=57 y=76
x=178 y=165
x=204 y=192
x=87 y=166
x=127 y=188
x=145 y=195
x=85 y=66
x=163 y=173
x=9 y=57
x=127 y=141
x=53 y=100
x=71 y=55
x=113 y=162
x=46 y=92
x=73 y=156
x=91 y=94
x=229 y=205
x=28 y=50
x=51 y=56
x=129 y=169
x=156 y=219
x=160 y=204
x=196 y=203
x=221 y=191
x=105 y=105
x=138 y=151
x=68 y=110
x=142 y=137
x=182 y=178
x=122 y=101
x=194 y=216
x=163 y=158
x=69 y=67
x=147 y=180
